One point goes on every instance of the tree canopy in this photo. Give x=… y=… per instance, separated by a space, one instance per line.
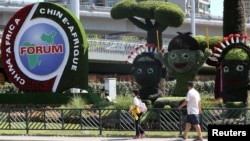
x=165 y=13
x=158 y=15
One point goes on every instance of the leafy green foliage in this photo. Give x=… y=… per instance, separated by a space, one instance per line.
x=94 y=36
x=131 y=39
x=95 y=87
x=9 y=88
x=183 y=61
x=150 y=116
x=233 y=111
x=169 y=14
x=76 y=101
x=122 y=87
x=203 y=40
x=208 y=101
x=123 y=9
x=237 y=54
x=157 y=17
x=165 y=13
x=123 y=102
x=234 y=105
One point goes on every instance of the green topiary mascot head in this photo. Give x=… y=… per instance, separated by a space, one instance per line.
x=235 y=66
x=183 y=61
x=184 y=53
x=233 y=55
x=147 y=71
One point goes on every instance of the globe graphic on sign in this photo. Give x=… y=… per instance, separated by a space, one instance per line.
x=41 y=49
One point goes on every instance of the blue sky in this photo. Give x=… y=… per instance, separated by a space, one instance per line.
x=216 y=7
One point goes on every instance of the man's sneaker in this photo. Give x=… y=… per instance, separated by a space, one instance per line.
x=183 y=137
x=143 y=134
x=198 y=139
x=136 y=137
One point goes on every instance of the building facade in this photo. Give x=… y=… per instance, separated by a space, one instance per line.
x=202 y=7
x=247 y=10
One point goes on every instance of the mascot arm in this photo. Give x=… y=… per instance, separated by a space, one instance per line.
x=156 y=95
x=202 y=57
x=160 y=57
x=170 y=70
x=163 y=60
x=207 y=53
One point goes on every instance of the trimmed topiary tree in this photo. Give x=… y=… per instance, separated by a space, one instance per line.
x=157 y=15
x=153 y=17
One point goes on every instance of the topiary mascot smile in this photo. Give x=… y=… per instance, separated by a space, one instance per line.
x=183 y=61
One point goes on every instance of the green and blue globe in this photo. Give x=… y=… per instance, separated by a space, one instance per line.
x=42 y=49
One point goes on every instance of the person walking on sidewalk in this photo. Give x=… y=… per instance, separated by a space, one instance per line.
x=136 y=113
x=193 y=103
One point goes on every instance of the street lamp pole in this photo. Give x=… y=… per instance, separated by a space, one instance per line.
x=193 y=17
x=75 y=7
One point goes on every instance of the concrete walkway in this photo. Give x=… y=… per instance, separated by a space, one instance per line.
x=62 y=138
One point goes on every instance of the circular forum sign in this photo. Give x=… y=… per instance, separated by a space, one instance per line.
x=43 y=49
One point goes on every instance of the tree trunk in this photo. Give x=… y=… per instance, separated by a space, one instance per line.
x=234 y=17
x=154 y=36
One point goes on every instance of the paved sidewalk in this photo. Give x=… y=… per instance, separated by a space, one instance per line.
x=62 y=138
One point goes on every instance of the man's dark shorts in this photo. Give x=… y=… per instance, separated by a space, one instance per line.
x=193 y=119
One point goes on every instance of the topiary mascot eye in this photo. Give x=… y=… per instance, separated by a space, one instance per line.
x=185 y=56
x=226 y=69
x=150 y=70
x=173 y=55
x=139 y=71
x=239 y=68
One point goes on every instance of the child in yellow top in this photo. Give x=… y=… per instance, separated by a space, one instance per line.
x=136 y=113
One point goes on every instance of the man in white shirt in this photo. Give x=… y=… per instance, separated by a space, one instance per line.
x=193 y=103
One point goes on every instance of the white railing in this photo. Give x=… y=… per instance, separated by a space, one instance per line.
x=16 y=3
x=110 y=50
